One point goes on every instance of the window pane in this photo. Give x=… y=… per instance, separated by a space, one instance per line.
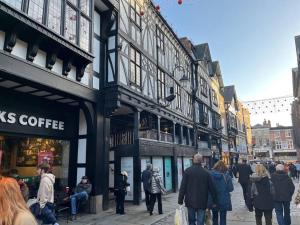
x=54 y=17
x=138 y=58
x=84 y=34
x=15 y=3
x=132 y=72
x=138 y=76
x=35 y=9
x=74 y=2
x=70 y=30
x=132 y=55
x=85 y=6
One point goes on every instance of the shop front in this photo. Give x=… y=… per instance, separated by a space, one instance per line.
x=33 y=131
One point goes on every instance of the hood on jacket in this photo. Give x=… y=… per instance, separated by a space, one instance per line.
x=280 y=176
x=216 y=174
x=256 y=178
x=49 y=176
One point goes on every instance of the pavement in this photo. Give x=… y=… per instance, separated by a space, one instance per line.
x=137 y=215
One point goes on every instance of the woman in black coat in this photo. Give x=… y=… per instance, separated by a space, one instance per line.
x=262 y=192
x=120 y=191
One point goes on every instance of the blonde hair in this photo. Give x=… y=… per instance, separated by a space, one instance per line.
x=261 y=171
x=220 y=166
x=11 y=201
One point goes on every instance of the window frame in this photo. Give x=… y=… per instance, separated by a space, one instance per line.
x=215 y=97
x=204 y=87
x=160 y=39
x=278 y=145
x=137 y=16
x=161 y=84
x=133 y=82
x=288 y=133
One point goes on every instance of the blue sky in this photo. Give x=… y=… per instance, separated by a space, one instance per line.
x=252 y=39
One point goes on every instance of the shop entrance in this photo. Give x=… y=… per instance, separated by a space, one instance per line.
x=20 y=155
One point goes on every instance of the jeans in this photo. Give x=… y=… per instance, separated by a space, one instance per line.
x=147 y=199
x=81 y=196
x=153 y=198
x=216 y=217
x=268 y=216
x=47 y=214
x=244 y=187
x=196 y=215
x=282 y=210
x=120 y=199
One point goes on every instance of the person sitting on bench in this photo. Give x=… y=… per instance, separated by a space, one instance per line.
x=82 y=191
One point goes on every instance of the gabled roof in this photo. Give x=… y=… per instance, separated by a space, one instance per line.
x=202 y=52
x=229 y=94
x=217 y=72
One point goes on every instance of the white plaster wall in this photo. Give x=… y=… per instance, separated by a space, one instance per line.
x=40 y=58
x=96 y=83
x=81 y=151
x=96 y=23
x=72 y=73
x=82 y=124
x=20 y=49
x=57 y=67
x=80 y=173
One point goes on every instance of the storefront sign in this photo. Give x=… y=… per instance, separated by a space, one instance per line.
x=30 y=120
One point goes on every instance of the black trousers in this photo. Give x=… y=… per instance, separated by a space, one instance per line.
x=120 y=198
x=244 y=187
x=153 y=198
x=258 y=216
x=147 y=199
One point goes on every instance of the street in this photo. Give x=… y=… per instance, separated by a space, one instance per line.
x=137 y=215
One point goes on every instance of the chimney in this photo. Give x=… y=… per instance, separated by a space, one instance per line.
x=187 y=44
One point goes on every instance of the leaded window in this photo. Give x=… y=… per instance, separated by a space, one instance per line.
x=15 y=3
x=135 y=67
x=214 y=98
x=55 y=15
x=36 y=9
x=204 y=114
x=71 y=24
x=84 y=33
x=204 y=87
x=135 y=10
x=189 y=105
x=178 y=96
x=160 y=39
x=161 y=79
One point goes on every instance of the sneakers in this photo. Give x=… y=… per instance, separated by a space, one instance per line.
x=73 y=217
x=56 y=224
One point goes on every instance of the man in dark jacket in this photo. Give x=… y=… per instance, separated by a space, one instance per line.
x=284 y=190
x=146 y=179
x=244 y=171
x=195 y=186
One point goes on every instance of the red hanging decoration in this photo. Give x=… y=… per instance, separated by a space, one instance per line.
x=157 y=8
x=142 y=12
x=180 y=2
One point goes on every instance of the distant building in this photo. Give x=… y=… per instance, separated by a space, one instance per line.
x=261 y=140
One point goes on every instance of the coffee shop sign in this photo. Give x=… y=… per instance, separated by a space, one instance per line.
x=32 y=121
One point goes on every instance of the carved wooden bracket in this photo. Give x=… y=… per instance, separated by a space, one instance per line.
x=80 y=71
x=67 y=64
x=50 y=60
x=10 y=41
x=32 y=51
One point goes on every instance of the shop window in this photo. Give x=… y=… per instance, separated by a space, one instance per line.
x=135 y=68
x=55 y=15
x=24 y=154
x=35 y=10
x=161 y=84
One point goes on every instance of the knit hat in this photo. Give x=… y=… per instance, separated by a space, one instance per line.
x=124 y=173
x=280 y=167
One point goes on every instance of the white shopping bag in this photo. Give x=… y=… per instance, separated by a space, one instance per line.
x=298 y=206
x=180 y=216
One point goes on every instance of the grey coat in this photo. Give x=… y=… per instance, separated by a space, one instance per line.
x=157 y=185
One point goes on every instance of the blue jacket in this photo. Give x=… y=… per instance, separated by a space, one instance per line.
x=223 y=185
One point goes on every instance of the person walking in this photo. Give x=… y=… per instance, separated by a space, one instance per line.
x=146 y=179
x=262 y=192
x=45 y=195
x=297 y=198
x=82 y=191
x=157 y=188
x=13 y=209
x=244 y=171
x=223 y=184
x=121 y=191
x=195 y=187
x=297 y=165
x=284 y=190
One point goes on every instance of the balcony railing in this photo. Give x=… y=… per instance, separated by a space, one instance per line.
x=202 y=144
x=166 y=137
x=121 y=138
x=149 y=134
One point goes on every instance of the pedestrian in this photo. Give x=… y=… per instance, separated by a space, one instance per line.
x=244 y=171
x=81 y=193
x=146 y=179
x=157 y=188
x=223 y=184
x=297 y=199
x=230 y=172
x=293 y=171
x=13 y=209
x=45 y=195
x=284 y=190
x=272 y=168
x=120 y=191
x=195 y=186
x=262 y=192
x=297 y=164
